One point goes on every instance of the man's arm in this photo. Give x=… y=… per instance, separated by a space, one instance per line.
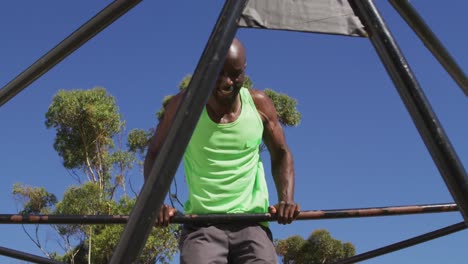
x=282 y=165
x=154 y=146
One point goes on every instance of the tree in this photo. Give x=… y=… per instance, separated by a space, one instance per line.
x=88 y=125
x=319 y=248
x=34 y=200
x=85 y=123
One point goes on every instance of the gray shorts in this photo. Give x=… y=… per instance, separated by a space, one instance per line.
x=226 y=243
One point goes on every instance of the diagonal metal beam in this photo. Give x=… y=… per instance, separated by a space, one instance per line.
x=413 y=97
x=87 y=31
x=26 y=256
x=165 y=166
x=416 y=22
x=405 y=243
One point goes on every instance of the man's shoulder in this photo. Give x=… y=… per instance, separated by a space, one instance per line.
x=172 y=103
x=176 y=98
x=258 y=96
x=263 y=103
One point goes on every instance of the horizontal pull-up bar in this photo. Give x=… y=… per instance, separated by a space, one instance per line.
x=228 y=218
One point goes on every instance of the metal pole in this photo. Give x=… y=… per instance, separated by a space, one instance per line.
x=377 y=211
x=165 y=166
x=416 y=22
x=405 y=243
x=229 y=218
x=88 y=30
x=26 y=256
x=426 y=121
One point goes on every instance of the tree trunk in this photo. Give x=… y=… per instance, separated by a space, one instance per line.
x=89 y=244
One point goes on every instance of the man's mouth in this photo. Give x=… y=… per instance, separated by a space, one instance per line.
x=227 y=90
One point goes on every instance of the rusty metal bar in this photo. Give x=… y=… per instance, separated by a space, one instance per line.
x=223 y=218
x=87 y=31
x=430 y=40
x=26 y=256
x=405 y=243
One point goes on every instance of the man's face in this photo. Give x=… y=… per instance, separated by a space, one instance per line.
x=230 y=79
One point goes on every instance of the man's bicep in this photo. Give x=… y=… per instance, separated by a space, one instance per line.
x=161 y=132
x=165 y=123
x=273 y=136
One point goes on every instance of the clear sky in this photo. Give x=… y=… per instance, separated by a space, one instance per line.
x=356 y=145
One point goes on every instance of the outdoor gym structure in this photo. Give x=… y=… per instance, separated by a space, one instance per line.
x=140 y=222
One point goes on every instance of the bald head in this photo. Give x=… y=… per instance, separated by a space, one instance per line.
x=236 y=52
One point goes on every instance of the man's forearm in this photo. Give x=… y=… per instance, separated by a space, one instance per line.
x=283 y=174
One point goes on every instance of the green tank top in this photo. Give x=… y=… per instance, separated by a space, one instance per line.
x=222 y=164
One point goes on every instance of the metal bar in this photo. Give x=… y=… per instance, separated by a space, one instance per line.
x=377 y=211
x=165 y=166
x=430 y=40
x=75 y=40
x=26 y=256
x=424 y=118
x=224 y=218
x=405 y=243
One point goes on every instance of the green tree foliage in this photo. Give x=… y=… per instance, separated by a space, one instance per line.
x=87 y=125
x=319 y=248
x=104 y=238
x=138 y=140
x=285 y=107
x=34 y=200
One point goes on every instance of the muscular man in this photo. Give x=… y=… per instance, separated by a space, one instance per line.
x=224 y=171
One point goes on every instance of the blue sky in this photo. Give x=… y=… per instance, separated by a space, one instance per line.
x=356 y=145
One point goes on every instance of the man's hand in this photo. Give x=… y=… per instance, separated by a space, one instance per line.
x=286 y=211
x=165 y=214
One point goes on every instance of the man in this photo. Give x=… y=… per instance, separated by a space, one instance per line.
x=224 y=172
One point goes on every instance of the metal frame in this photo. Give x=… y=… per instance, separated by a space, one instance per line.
x=231 y=218
x=427 y=123
x=143 y=215
x=405 y=243
x=87 y=31
x=416 y=22
x=26 y=256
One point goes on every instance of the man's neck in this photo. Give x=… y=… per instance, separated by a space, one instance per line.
x=224 y=112
x=222 y=108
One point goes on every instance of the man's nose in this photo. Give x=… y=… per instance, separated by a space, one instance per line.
x=229 y=81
